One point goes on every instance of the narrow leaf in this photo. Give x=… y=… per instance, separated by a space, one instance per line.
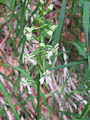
x=57 y=34
x=9 y=100
x=85 y=111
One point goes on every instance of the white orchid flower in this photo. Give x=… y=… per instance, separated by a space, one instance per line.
x=24 y=81
x=46 y=76
x=28 y=36
x=50 y=7
x=28 y=29
x=34 y=62
x=55 y=49
x=29 y=58
x=28 y=32
x=49 y=54
x=41 y=80
x=26 y=84
x=29 y=89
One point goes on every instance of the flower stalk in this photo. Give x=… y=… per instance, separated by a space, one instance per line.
x=41 y=57
x=38 y=99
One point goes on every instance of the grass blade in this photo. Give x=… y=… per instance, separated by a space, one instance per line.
x=9 y=101
x=85 y=111
x=78 y=62
x=86 y=21
x=86 y=26
x=21 y=55
x=81 y=3
x=57 y=34
x=20 y=70
x=5 y=77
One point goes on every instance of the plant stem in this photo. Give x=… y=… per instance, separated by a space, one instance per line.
x=38 y=100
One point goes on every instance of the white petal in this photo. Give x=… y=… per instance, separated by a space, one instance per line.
x=41 y=80
x=55 y=49
x=50 y=7
x=41 y=1
x=50 y=62
x=28 y=36
x=50 y=32
x=46 y=73
x=34 y=62
x=49 y=54
x=24 y=81
x=29 y=89
x=48 y=79
x=56 y=46
x=28 y=29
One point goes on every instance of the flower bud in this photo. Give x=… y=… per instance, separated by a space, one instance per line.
x=42 y=45
x=41 y=1
x=36 y=17
x=49 y=33
x=50 y=7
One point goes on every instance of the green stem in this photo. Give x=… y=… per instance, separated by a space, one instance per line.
x=38 y=100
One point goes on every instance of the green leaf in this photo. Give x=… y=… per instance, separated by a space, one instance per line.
x=9 y=100
x=58 y=32
x=78 y=62
x=2 y=1
x=20 y=70
x=85 y=111
x=81 y=3
x=4 y=76
x=80 y=47
x=86 y=26
x=86 y=21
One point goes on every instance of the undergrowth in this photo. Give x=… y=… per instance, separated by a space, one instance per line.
x=45 y=63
